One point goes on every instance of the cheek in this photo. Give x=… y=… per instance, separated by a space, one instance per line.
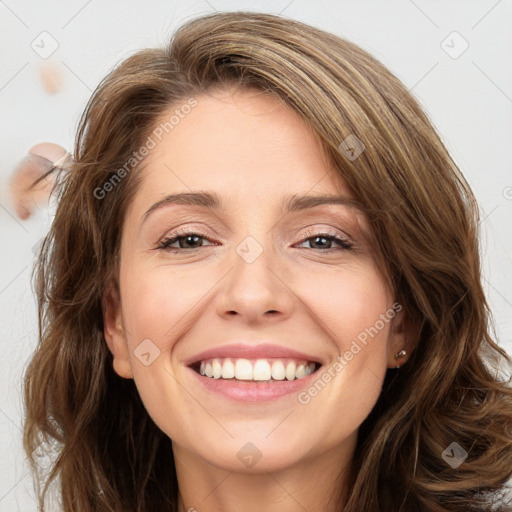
x=351 y=306
x=158 y=305
x=157 y=301
x=348 y=305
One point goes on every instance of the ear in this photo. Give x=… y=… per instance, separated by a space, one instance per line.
x=114 y=333
x=401 y=338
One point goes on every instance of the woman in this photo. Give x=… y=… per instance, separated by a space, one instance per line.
x=203 y=349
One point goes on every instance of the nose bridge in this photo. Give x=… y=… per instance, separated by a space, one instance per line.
x=253 y=265
x=254 y=285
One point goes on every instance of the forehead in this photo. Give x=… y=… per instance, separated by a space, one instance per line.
x=242 y=140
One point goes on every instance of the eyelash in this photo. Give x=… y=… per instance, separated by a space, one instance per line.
x=345 y=245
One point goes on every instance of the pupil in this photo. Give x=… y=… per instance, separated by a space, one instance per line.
x=319 y=238
x=189 y=238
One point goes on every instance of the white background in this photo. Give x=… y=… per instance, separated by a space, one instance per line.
x=469 y=99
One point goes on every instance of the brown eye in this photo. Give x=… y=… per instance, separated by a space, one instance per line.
x=186 y=241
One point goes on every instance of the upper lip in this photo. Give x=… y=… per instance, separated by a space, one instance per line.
x=261 y=351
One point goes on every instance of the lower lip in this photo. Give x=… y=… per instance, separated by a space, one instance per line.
x=249 y=391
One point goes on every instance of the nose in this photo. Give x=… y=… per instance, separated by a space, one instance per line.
x=258 y=287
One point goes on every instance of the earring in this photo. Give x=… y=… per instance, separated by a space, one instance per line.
x=400 y=355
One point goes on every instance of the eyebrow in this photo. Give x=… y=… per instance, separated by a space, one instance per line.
x=212 y=201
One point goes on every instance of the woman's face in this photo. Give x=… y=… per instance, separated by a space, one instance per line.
x=265 y=286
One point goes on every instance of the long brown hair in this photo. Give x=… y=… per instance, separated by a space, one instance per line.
x=108 y=453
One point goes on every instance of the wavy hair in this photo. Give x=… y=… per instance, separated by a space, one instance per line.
x=108 y=455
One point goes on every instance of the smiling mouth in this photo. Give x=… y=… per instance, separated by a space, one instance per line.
x=255 y=370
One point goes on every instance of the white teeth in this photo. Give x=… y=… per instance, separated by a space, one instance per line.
x=217 y=369
x=300 y=372
x=278 y=371
x=259 y=370
x=243 y=369
x=228 y=369
x=290 y=370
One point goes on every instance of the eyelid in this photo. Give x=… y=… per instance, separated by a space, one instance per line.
x=186 y=229
x=332 y=231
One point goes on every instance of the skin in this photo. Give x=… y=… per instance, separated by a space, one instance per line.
x=27 y=197
x=252 y=151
